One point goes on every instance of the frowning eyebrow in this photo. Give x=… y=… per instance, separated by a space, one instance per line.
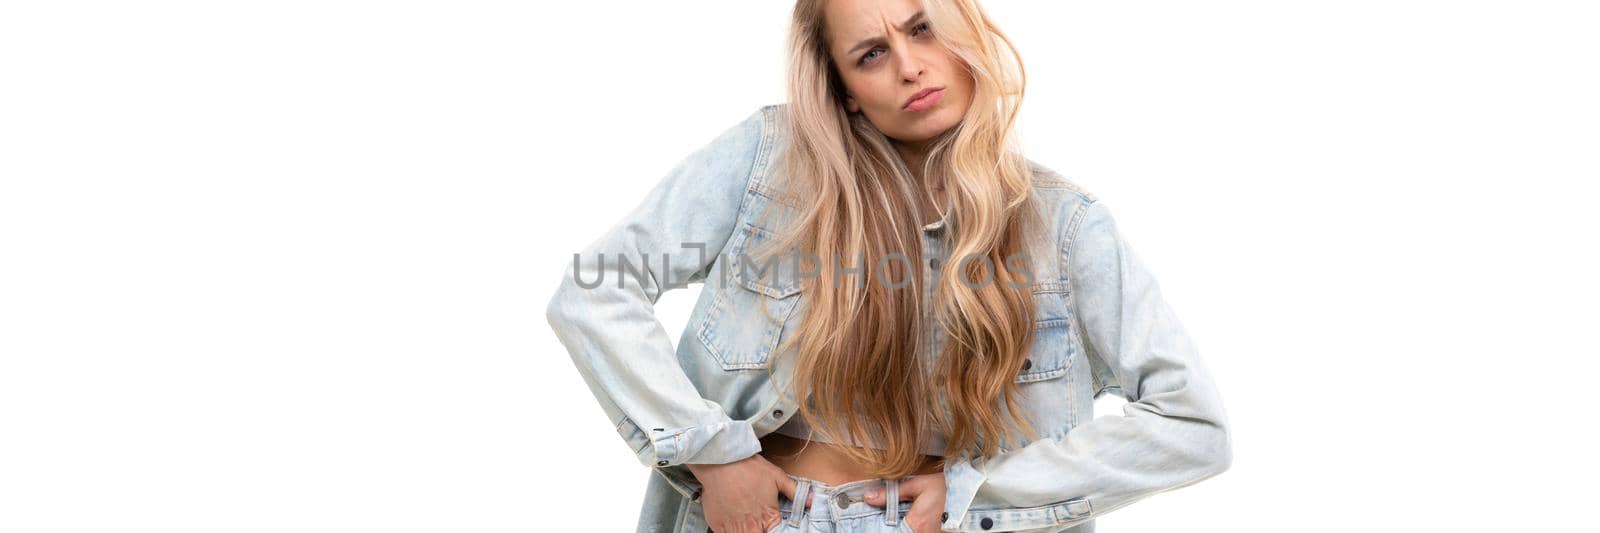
x=904 y=26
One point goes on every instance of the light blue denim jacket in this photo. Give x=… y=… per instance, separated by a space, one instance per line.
x=1102 y=327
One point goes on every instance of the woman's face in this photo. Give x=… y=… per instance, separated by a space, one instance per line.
x=886 y=54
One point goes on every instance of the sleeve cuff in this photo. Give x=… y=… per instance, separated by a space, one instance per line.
x=714 y=443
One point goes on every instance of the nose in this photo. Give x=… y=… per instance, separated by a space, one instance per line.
x=911 y=67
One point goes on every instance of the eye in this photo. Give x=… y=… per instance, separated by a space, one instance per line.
x=868 y=56
x=920 y=28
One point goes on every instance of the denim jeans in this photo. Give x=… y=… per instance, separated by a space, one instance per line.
x=842 y=508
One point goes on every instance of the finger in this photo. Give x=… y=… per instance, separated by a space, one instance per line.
x=926 y=511
x=787 y=485
x=761 y=524
x=876 y=496
x=789 y=488
x=741 y=526
x=912 y=487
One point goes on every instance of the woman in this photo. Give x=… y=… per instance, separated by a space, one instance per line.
x=948 y=308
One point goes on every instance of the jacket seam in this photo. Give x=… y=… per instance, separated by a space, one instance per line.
x=1074 y=226
x=1070 y=236
x=763 y=151
x=750 y=174
x=1047 y=178
x=1076 y=223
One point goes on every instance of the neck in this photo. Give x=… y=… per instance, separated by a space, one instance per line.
x=914 y=155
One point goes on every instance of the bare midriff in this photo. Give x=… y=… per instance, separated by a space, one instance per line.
x=824 y=461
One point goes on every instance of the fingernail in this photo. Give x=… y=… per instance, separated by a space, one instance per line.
x=874 y=493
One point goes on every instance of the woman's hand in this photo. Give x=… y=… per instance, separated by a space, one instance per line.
x=742 y=496
x=926 y=492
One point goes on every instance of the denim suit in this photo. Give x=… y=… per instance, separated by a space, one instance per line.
x=1102 y=328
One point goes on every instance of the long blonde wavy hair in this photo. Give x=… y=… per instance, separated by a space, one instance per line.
x=859 y=340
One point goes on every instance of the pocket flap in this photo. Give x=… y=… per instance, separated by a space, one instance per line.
x=777 y=276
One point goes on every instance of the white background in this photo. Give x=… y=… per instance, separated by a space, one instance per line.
x=282 y=266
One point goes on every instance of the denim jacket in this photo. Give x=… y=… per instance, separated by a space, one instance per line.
x=1102 y=328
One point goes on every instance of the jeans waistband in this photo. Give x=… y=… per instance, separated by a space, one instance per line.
x=843 y=501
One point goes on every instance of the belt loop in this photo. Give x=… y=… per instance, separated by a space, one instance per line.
x=891 y=502
x=797 y=507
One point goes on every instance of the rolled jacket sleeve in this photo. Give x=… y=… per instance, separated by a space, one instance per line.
x=1172 y=432
x=611 y=330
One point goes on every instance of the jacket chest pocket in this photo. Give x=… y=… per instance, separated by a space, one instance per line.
x=747 y=317
x=1052 y=350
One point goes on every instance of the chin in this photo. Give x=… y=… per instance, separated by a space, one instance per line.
x=931 y=126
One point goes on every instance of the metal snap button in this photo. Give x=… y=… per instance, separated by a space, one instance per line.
x=987 y=522
x=842 y=500
x=777 y=413
x=944 y=517
x=1027 y=363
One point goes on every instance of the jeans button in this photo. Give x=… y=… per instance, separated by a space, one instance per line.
x=986 y=523
x=842 y=500
x=1027 y=364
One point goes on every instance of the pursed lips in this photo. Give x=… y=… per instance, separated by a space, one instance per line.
x=919 y=95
